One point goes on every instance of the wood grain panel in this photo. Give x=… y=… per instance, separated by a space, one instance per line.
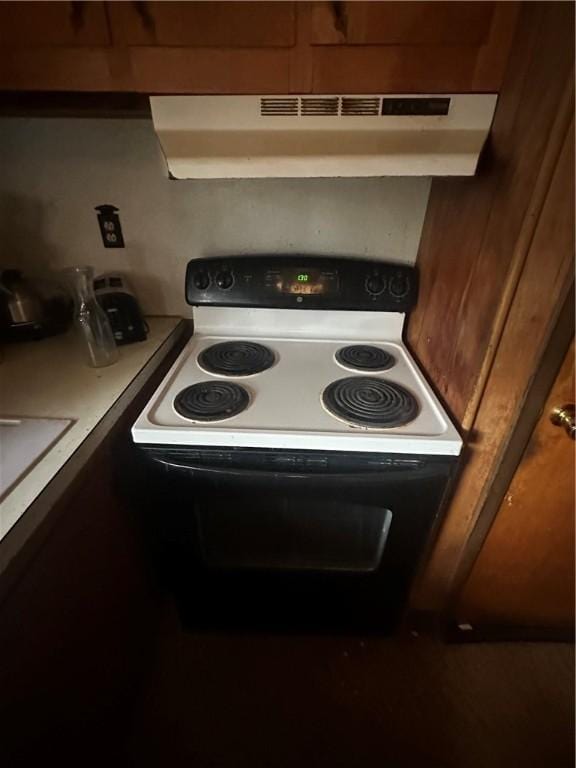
x=393 y=69
x=524 y=574
x=542 y=288
x=473 y=252
x=251 y=47
x=409 y=23
x=53 y=23
x=154 y=70
x=204 y=24
x=217 y=71
x=64 y=69
x=475 y=61
x=493 y=54
x=472 y=225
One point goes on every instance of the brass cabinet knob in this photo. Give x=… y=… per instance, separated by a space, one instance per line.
x=564 y=417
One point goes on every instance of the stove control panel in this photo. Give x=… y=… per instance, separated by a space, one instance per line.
x=301 y=282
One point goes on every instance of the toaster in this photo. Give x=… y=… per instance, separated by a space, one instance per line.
x=117 y=299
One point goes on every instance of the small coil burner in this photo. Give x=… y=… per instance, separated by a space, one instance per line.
x=236 y=358
x=367 y=401
x=365 y=357
x=211 y=401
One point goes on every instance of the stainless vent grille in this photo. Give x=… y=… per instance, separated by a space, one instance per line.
x=319 y=106
x=360 y=106
x=332 y=106
x=278 y=107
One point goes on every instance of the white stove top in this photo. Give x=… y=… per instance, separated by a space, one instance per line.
x=285 y=408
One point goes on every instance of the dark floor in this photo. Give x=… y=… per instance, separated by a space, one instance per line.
x=316 y=701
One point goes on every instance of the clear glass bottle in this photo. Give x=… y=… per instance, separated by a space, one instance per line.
x=90 y=319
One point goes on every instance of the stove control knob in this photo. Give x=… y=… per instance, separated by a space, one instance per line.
x=201 y=280
x=375 y=284
x=225 y=280
x=399 y=286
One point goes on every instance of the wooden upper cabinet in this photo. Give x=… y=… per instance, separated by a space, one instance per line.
x=255 y=47
x=208 y=47
x=204 y=24
x=401 y=23
x=363 y=47
x=38 y=24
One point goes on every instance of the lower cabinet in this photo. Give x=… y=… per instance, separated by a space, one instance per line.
x=78 y=629
x=80 y=615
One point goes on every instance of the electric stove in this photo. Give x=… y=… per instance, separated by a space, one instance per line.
x=295 y=448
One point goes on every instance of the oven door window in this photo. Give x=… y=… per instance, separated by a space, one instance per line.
x=292 y=534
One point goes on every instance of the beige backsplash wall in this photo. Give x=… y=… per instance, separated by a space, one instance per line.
x=53 y=171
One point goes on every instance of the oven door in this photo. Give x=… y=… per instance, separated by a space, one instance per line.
x=314 y=526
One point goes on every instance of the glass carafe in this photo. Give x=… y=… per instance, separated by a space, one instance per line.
x=90 y=319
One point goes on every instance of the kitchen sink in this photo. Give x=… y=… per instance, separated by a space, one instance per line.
x=23 y=442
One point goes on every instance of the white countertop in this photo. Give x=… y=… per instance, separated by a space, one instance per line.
x=49 y=379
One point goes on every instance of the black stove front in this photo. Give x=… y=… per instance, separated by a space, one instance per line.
x=255 y=539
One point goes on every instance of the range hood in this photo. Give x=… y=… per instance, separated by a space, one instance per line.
x=231 y=137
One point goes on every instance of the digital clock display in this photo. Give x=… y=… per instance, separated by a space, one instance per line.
x=306 y=281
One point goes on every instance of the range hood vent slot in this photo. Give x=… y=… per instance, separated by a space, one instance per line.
x=319 y=106
x=270 y=107
x=360 y=106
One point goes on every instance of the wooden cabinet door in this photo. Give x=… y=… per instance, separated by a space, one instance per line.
x=407 y=23
x=255 y=47
x=204 y=24
x=208 y=47
x=364 y=47
x=524 y=574
x=38 y=24
x=152 y=47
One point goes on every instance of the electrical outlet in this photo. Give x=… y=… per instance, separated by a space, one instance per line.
x=110 y=229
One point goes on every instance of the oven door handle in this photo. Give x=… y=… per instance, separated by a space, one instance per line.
x=387 y=472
